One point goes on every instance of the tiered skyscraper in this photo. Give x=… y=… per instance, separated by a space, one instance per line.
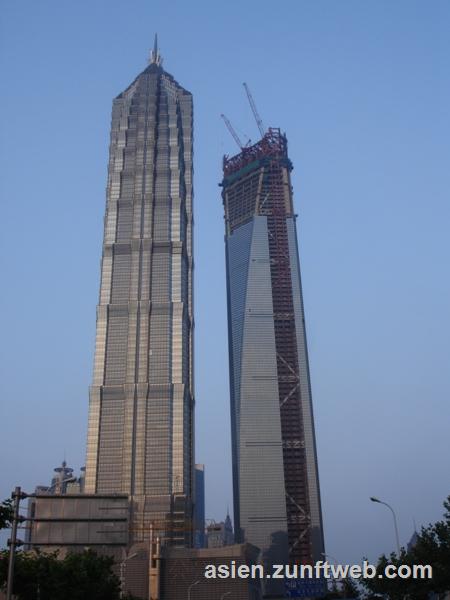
x=141 y=415
x=275 y=479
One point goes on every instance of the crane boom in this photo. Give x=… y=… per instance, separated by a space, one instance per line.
x=254 y=110
x=232 y=131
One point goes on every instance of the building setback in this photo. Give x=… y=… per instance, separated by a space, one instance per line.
x=275 y=478
x=140 y=434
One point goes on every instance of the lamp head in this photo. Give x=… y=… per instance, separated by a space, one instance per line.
x=374 y=499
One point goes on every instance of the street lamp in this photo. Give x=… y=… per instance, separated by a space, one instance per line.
x=191 y=586
x=333 y=582
x=329 y=556
x=122 y=569
x=395 y=521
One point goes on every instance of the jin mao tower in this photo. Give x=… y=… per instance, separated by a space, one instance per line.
x=141 y=414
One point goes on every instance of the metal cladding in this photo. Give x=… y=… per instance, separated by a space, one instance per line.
x=141 y=422
x=275 y=478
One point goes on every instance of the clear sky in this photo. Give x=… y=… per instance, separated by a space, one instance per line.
x=362 y=90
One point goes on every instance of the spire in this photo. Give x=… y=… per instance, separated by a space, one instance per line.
x=155 y=57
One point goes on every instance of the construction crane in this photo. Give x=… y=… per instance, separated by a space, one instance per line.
x=232 y=131
x=254 y=110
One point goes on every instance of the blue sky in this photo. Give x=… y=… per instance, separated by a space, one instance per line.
x=362 y=90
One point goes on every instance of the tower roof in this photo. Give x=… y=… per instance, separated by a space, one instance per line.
x=154 y=67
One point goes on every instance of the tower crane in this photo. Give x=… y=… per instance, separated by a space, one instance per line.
x=232 y=131
x=254 y=110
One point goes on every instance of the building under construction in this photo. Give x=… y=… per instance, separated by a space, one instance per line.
x=275 y=477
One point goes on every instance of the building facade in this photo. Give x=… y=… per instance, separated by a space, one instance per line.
x=141 y=412
x=199 y=512
x=182 y=573
x=275 y=478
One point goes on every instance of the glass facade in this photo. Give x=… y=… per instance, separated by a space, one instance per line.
x=140 y=433
x=275 y=477
x=199 y=524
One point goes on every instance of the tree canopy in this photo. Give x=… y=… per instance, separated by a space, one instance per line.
x=432 y=547
x=78 y=576
x=6 y=514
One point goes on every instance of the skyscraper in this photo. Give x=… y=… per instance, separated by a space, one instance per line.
x=275 y=478
x=140 y=433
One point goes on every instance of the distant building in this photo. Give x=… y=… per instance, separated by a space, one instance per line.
x=63 y=482
x=413 y=541
x=220 y=534
x=199 y=510
x=77 y=485
x=64 y=475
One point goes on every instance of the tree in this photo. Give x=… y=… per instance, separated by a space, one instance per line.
x=431 y=548
x=91 y=576
x=80 y=576
x=349 y=588
x=6 y=514
x=344 y=588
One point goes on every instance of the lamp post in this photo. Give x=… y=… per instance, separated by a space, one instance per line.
x=328 y=556
x=332 y=583
x=395 y=521
x=342 y=579
x=190 y=588
x=122 y=569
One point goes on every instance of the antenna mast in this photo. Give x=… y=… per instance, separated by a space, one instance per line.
x=254 y=111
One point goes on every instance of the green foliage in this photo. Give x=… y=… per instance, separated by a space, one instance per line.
x=6 y=514
x=432 y=548
x=349 y=588
x=345 y=588
x=81 y=576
